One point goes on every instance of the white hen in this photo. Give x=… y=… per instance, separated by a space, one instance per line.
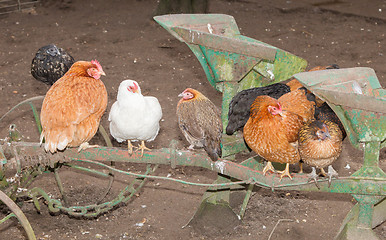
x=133 y=116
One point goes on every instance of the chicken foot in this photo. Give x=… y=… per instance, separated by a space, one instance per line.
x=285 y=172
x=142 y=147
x=268 y=167
x=85 y=146
x=331 y=173
x=313 y=177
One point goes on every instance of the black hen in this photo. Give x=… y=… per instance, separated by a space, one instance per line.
x=324 y=112
x=239 y=107
x=50 y=63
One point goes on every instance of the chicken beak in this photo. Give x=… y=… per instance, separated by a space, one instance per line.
x=328 y=135
x=180 y=95
x=103 y=73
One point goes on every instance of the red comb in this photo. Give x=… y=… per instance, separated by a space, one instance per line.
x=98 y=65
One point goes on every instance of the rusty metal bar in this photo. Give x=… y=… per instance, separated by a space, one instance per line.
x=352 y=185
x=233 y=44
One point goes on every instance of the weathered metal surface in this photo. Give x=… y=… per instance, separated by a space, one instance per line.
x=358 y=99
x=226 y=55
x=218 y=41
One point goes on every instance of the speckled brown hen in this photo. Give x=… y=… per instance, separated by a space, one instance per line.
x=273 y=127
x=73 y=107
x=200 y=122
x=320 y=144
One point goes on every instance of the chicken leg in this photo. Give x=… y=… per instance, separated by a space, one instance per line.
x=331 y=173
x=323 y=172
x=301 y=167
x=268 y=167
x=314 y=176
x=85 y=146
x=129 y=147
x=142 y=147
x=285 y=172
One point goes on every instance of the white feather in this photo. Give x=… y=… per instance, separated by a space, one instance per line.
x=134 y=116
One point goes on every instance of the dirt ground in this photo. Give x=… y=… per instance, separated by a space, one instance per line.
x=122 y=36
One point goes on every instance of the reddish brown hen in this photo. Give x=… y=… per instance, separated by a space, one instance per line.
x=73 y=107
x=200 y=122
x=320 y=144
x=273 y=127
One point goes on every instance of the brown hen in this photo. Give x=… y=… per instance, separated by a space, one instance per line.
x=200 y=122
x=320 y=144
x=273 y=127
x=73 y=107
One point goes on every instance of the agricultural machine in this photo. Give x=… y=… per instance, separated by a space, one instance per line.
x=232 y=62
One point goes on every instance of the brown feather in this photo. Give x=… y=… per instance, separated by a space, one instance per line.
x=200 y=122
x=317 y=152
x=271 y=136
x=73 y=107
x=297 y=102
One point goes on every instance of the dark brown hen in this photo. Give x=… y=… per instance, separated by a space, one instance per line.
x=200 y=122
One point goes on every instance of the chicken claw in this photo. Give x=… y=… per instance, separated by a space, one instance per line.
x=331 y=173
x=285 y=172
x=268 y=167
x=85 y=146
x=142 y=147
x=313 y=176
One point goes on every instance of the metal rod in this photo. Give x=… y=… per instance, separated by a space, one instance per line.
x=190 y=158
x=36 y=115
x=7 y=217
x=60 y=186
x=19 y=215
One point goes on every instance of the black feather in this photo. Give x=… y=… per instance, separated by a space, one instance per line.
x=50 y=63
x=239 y=107
x=324 y=112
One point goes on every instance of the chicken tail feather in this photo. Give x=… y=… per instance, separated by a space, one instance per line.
x=56 y=139
x=213 y=149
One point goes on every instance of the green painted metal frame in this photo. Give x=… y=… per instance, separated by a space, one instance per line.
x=175 y=157
x=232 y=62
x=358 y=99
